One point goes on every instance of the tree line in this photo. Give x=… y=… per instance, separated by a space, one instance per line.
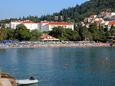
x=21 y=33
x=93 y=33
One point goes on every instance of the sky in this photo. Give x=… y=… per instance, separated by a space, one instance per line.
x=20 y=8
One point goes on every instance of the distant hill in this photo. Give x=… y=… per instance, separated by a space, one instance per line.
x=73 y=14
x=79 y=12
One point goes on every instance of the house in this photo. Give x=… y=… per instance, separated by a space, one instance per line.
x=113 y=14
x=111 y=23
x=46 y=37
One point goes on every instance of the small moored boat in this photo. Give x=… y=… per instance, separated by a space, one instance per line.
x=32 y=80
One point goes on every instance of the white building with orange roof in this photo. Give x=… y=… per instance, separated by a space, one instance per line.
x=111 y=23
x=29 y=24
x=43 y=26
x=48 y=26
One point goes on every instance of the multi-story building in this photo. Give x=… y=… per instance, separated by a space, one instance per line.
x=29 y=24
x=43 y=26
x=48 y=26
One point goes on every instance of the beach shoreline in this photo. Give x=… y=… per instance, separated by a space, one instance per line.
x=80 y=44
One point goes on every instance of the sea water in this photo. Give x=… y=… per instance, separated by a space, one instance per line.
x=61 y=66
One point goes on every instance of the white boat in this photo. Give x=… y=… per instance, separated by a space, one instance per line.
x=26 y=81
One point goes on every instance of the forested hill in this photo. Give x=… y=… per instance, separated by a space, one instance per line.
x=79 y=12
x=73 y=14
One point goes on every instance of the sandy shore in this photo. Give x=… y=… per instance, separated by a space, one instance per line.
x=52 y=44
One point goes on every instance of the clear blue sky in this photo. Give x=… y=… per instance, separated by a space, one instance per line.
x=19 y=8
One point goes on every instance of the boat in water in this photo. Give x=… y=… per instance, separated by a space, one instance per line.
x=7 y=80
x=29 y=81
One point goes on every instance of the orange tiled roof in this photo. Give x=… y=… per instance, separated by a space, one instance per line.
x=111 y=23
x=26 y=21
x=49 y=23
x=59 y=23
x=48 y=37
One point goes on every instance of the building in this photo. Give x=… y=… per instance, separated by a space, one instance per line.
x=46 y=37
x=48 y=26
x=113 y=14
x=29 y=24
x=111 y=23
x=43 y=26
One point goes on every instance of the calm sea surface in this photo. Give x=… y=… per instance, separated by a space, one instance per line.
x=61 y=66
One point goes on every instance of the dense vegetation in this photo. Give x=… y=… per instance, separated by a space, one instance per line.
x=21 y=33
x=65 y=34
x=79 y=12
x=93 y=33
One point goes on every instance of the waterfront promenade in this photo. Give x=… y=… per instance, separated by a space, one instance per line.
x=41 y=44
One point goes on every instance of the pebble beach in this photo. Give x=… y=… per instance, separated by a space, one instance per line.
x=52 y=44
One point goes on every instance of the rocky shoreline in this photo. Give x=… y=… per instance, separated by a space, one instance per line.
x=27 y=44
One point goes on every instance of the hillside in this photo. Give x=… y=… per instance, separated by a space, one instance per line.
x=73 y=14
x=79 y=12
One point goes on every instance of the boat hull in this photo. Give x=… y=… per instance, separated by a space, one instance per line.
x=26 y=82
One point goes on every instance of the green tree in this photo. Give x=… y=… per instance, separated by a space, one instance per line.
x=95 y=32
x=21 y=26
x=22 y=33
x=3 y=34
x=85 y=34
x=72 y=35
x=35 y=35
x=57 y=32
x=112 y=30
x=10 y=34
x=65 y=34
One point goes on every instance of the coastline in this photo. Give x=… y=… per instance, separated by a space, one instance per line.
x=80 y=44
